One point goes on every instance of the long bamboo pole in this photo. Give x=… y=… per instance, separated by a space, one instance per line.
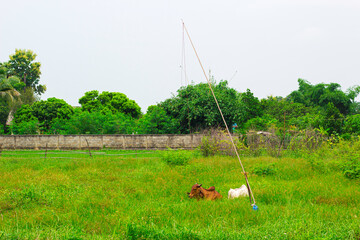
x=222 y=116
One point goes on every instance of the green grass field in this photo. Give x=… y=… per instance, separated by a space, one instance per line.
x=136 y=195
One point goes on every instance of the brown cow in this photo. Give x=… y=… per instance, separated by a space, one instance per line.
x=199 y=192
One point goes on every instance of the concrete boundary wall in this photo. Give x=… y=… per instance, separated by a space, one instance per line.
x=68 y=142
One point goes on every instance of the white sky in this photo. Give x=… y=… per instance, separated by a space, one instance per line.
x=134 y=47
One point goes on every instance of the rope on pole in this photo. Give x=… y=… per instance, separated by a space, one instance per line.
x=222 y=116
x=183 y=61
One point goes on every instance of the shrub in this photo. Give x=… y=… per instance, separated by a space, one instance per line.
x=95 y=123
x=273 y=144
x=261 y=123
x=212 y=142
x=156 y=121
x=351 y=167
x=308 y=140
x=264 y=170
x=352 y=124
x=176 y=157
x=209 y=146
x=307 y=121
x=29 y=127
x=45 y=111
x=266 y=142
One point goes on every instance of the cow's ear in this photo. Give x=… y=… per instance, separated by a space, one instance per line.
x=200 y=185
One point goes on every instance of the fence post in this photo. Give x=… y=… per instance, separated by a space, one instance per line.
x=282 y=143
x=46 y=149
x=88 y=147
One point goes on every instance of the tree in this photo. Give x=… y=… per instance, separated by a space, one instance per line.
x=114 y=102
x=9 y=96
x=89 y=102
x=45 y=112
x=262 y=123
x=8 y=85
x=25 y=113
x=251 y=105
x=22 y=65
x=195 y=108
x=4 y=113
x=333 y=119
x=353 y=92
x=352 y=124
x=28 y=127
x=308 y=121
x=156 y=121
x=84 y=122
x=323 y=94
x=277 y=107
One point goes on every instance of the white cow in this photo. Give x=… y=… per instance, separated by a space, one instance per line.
x=238 y=192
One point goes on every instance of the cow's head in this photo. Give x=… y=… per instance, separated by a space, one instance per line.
x=196 y=192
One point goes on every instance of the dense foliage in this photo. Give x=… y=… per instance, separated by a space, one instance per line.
x=9 y=96
x=192 y=109
x=113 y=102
x=323 y=94
x=19 y=85
x=83 y=122
x=22 y=65
x=156 y=121
x=195 y=107
x=43 y=113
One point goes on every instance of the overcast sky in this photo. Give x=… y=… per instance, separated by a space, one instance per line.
x=135 y=47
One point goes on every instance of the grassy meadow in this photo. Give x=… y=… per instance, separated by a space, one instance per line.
x=138 y=195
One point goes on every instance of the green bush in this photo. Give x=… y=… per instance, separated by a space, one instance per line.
x=29 y=127
x=45 y=111
x=156 y=121
x=95 y=123
x=261 y=123
x=176 y=157
x=351 y=167
x=352 y=124
x=217 y=142
x=209 y=146
x=264 y=170
x=307 y=121
x=308 y=140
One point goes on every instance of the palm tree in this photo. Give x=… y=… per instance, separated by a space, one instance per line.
x=8 y=92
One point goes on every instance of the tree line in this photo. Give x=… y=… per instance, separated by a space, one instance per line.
x=192 y=109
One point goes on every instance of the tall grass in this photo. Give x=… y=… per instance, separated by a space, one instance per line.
x=142 y=197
